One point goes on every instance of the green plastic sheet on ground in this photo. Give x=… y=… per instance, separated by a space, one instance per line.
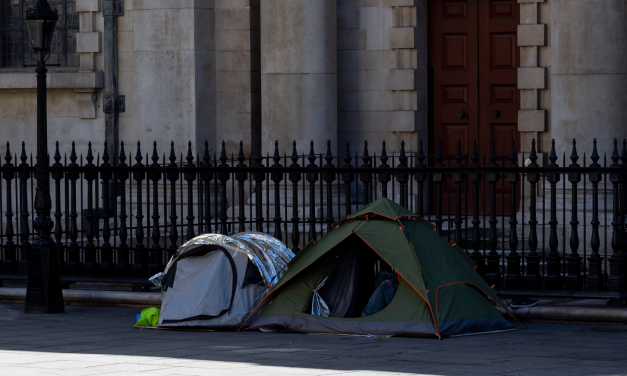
x=148 y=317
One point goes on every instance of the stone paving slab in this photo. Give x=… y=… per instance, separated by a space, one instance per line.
x=101 y=341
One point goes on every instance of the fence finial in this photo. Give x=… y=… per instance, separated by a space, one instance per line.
x=347 y=157
x=312 y=156
x=493 y=157
x=513 y=159
x=223 y=156
x=277 y=156
x=553 y=156
x=384 y=155
x=90 y=155
x=595 y=154
x=122 y=157
x=615 y=156
x=402 y=158
x=623 y=157
x=475 y=154
x=573 y=156
x=439 y=158
x=206 y=156
x=57 y=155
x=365 y=157
x=73 y=156
x=329 y=155
x=172 y=156
x=23 y=156
x=240 y=156
x=155 y=155
x=8 y=156
x=533 y=157
x=458 y=155
x=190 y=155
x=294 y=156
x=421 y=155
x=138 y=155
x=105 y=155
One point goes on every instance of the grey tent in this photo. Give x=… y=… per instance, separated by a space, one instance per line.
x=214 y=280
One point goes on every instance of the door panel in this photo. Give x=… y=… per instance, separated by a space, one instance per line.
x=474 y=55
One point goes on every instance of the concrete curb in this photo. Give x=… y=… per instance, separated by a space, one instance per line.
x=109 y=298
x=579 y=314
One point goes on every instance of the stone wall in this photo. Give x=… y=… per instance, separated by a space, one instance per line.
x=382 y=61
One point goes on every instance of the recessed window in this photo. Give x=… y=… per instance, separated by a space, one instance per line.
x=14 y=47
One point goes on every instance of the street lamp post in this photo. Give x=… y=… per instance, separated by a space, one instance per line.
x=44 y=293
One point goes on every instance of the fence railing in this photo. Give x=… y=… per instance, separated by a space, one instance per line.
x=557 y=230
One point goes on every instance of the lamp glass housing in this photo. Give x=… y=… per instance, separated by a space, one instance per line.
x=41 y=33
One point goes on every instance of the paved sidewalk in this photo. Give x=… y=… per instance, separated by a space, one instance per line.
x=101 y=341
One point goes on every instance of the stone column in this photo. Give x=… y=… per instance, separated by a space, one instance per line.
x=298 y=74
x=589 y=74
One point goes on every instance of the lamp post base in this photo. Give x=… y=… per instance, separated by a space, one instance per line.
x=44 y=293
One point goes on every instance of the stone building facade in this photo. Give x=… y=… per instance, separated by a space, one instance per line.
x=339 y=70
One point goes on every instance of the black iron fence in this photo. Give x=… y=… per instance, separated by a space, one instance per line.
x=557 y=230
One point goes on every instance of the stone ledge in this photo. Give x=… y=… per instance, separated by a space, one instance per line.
x=74 y=80
x=578 y=314
x=91 y=297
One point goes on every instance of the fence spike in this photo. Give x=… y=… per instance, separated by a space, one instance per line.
x=493 y=157
x=8 y=156
x=294 y=156
x=223 y=157
x=329 y=156
x=206 y=156
x=312 y=155
x=421 y=155
x=241 y=157
x=277 y=156
x=615 y=156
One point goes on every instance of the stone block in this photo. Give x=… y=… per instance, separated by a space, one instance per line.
x=352 y=80
x=351 y=39
x=88 y=42
x=532 y=121
x=233 y=40
x=377 y=79
x=528 y=14
x=529 y=99
x=402 y=37
x=529 y=57
x=531 y=35
x=401 y=79
x=172 y=4
x=401 y=3
x=234 y=102
x=406 y=100
x=88 y=5
x=403 y=121
x=238 y=82
x=348 y=17
x=87 y=105
x=531 y=78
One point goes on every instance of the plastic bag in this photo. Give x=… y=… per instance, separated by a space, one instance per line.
x=148 y=317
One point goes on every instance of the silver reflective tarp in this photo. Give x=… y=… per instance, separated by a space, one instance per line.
x=268 y=253
x=318 y=306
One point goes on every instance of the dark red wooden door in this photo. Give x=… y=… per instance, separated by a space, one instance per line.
x=474 y=57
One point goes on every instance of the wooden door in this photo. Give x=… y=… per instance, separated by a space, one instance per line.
x=474 y=57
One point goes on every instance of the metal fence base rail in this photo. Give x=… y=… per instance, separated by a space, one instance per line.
x=551 y=231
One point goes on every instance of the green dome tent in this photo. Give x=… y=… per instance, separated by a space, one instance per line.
x=439 y=291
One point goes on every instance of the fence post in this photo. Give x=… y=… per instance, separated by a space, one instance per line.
x=25 y=248
x=312 y=178
x=366 y=177
x=616 y=280
x=493 y=273
x=476 y=178
x=207 y=177
x=553 y=277
x=420 y=178
x=10 y=262
x=458 y=178
x=155 y=262
x=106 y=253
x=74 y=257
x=384 y=178
x=173 y=177
x=513 y=278
x=402 y=178
x=241 y=177
x=573 y=278
x=58 y=231
x=123 y=266
x=140 y=265
x=329 y=178
x=623 y=215
x=533 y=278
x=348 y=179
x=277 y=177
x=259 y=178
x=439 y=178
x=295 y=178
x=223 y=177
x=595 y=261
x=89 y=265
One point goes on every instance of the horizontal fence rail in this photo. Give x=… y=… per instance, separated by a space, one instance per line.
x=555 y=230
